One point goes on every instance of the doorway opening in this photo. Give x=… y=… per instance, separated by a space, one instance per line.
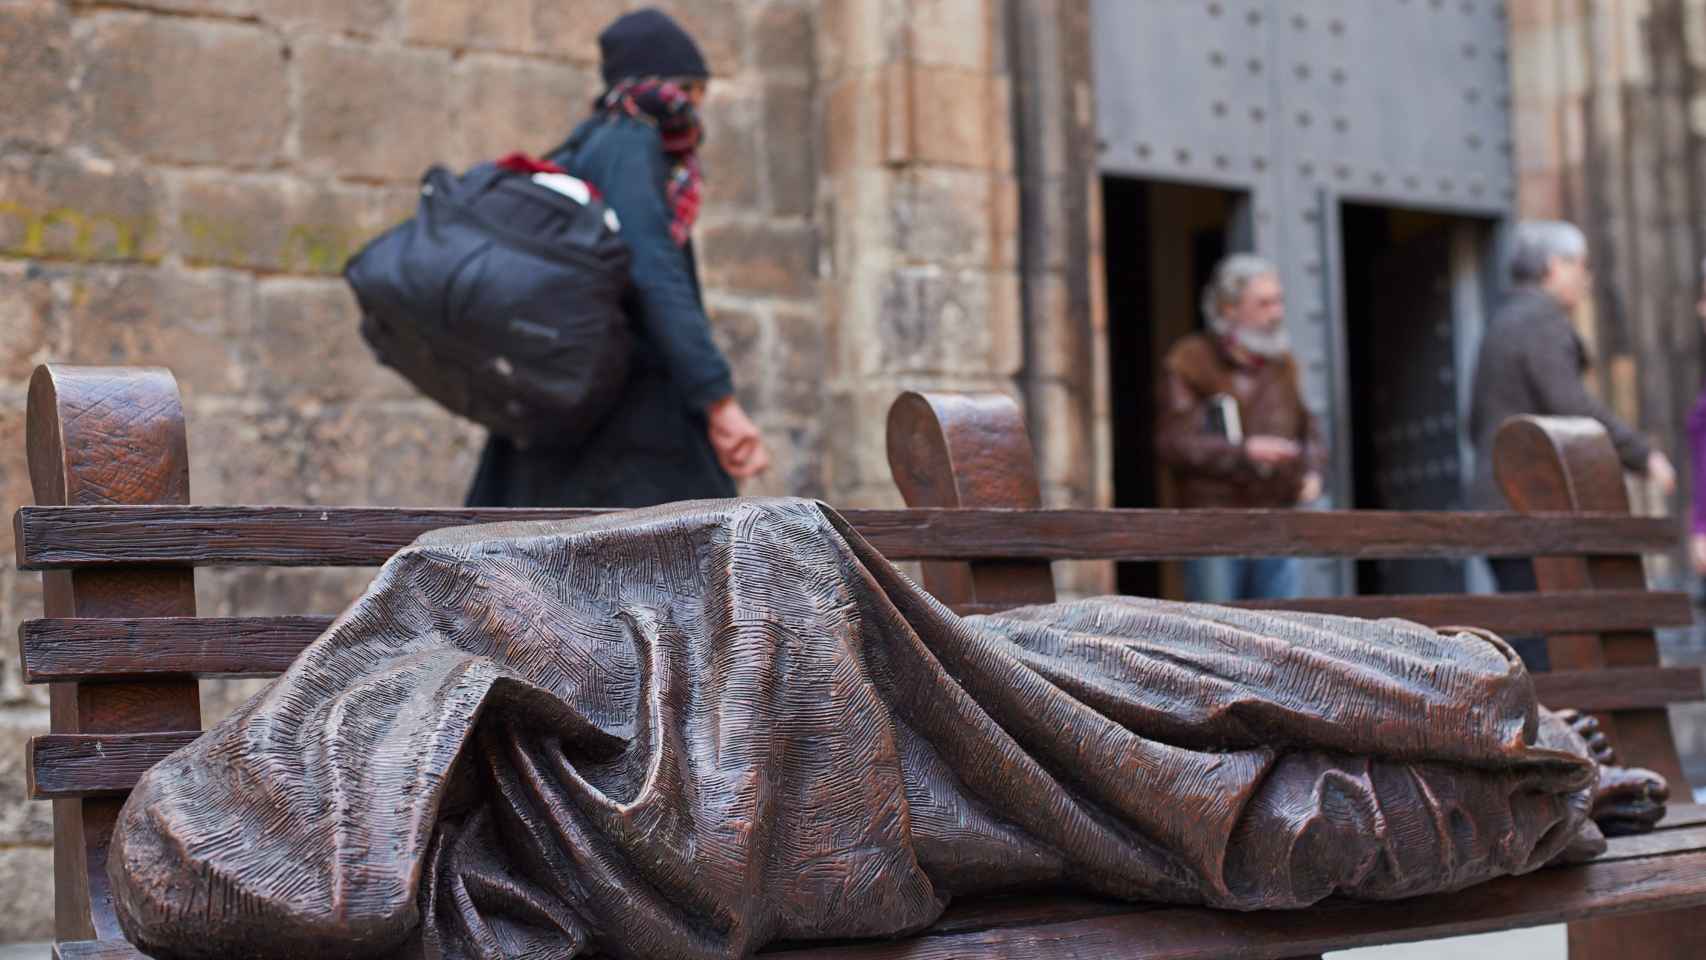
x=1161 y=241
x=1414 y=297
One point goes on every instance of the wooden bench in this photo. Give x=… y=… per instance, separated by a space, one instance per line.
x=118 y=546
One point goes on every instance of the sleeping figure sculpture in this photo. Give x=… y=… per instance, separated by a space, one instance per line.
x=690 y=731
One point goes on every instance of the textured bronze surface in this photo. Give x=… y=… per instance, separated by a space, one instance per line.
x=694 y=730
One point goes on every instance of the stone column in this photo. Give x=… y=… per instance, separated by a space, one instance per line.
x=920 y=204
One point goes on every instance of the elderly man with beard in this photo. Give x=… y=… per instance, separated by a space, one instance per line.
x=1232 y=425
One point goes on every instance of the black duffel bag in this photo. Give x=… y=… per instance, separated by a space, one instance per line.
x=502 y=300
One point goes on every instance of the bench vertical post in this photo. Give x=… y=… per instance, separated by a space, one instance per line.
x=1569 y=464
x=969 y=450
x=107 y=436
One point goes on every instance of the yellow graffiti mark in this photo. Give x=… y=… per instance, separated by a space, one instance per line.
x=93 y=236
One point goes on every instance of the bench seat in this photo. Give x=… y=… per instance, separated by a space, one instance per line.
x=1662 y=870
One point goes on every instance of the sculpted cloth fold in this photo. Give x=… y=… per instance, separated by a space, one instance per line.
x=693 y=730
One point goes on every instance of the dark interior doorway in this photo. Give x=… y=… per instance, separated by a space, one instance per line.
x=1161 y=241
x=1412 y=302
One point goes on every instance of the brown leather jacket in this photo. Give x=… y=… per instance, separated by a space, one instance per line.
x=1208 y=470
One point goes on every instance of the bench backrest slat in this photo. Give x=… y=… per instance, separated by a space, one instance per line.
x=89 y=649
x=98 y=537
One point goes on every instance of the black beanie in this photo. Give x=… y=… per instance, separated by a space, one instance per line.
x=647 y=43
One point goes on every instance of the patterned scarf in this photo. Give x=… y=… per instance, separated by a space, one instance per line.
x=667 y=107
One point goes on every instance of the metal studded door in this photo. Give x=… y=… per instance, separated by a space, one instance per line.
x=1407 y=381
x=1306 y=103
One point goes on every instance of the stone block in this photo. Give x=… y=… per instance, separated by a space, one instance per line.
x=953 y=33
x=26 y=873
x=373 y=113
x=23 y=593
x=32 y=327
x=799 y=367
x=304 y=345
x=15 y=486
x=784 y=38
x=865 y=122
x=247 y=452
x=854 y=36
x=718 y=26
x=37 y=109
x=858 y=459
x=946 y=216
x=189 y=321
x=184 y=91
x=491 y=24
x=65 y=209
x=359 y=17
x=959 y=322
x=22 y=820
x=731 y=154
x=761 y=258
x=276 y=224
x=420 y=457
x=958 y=118
x=1062 y=440
x=739 y=333
x=571 y=29
x=507 y=104
x=790 y=148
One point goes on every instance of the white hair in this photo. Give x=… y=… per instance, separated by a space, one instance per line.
x=1534 y=243
x=1231 y=276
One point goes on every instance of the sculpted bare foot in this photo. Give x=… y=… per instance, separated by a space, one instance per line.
x=1629 y=799
x=1587 y=728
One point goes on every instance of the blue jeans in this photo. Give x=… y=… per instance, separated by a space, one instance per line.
x=1223 y=579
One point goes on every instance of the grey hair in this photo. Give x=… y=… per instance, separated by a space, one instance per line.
x=1231 y=275
x=1534 y=243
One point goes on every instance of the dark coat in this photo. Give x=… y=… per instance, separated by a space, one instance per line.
x=1532 y=362
x=652 y=448
x=1208 y=469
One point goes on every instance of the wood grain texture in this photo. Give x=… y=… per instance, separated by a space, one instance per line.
x=73 y=649
x=65 y=765
x=1664 y=868
x=1568 y=463
x=93 y=537
x=1619 y=688
x=97 y=950
x=969 y=450
x=1663 y=881
x=103 y=436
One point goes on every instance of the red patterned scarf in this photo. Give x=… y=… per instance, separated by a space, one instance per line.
x=666 y=106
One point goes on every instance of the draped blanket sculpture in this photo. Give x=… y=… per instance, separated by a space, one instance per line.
x=693 y=730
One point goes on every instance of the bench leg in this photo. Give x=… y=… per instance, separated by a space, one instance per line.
x=1676 y=935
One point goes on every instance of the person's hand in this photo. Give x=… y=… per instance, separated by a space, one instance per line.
x=1312 y=487
x=1270 y=451
x=1661 y=472
x=1697 y=552
x=736 y=440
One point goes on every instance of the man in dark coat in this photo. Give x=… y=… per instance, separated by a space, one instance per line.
x=1532 y=362
x=677 y=433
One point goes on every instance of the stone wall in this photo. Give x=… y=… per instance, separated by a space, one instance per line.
x=180 y=181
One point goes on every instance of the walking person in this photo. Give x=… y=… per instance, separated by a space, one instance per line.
x=1532 y=361
x=1233 y=427
x=677 y=433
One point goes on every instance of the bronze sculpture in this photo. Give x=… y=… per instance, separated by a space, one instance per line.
x=693 y=730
